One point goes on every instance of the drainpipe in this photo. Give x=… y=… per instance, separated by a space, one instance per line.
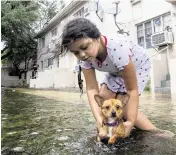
x=168 y=65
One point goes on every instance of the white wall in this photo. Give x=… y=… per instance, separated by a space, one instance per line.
x=7 y=80
x=152 y=8
x=173 y=53
x=173 y=13
x=55 y=78
x=173 y=75
x=68 y=61
x=64 y=78
x=157 y=74
x=28 y=76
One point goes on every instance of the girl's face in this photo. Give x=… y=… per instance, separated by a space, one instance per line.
x=85 y=49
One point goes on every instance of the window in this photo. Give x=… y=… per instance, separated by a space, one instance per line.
x=144 y=32
x=146 y=29
x=50 y=62
x=140 y=35
x=141 y=41
x=79 y=13
x=43 y=42
x=148 y=33
x=54 y=32
x=137 y=11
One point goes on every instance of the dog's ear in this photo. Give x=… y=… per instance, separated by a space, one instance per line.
x=99 y=100
x=123 y=98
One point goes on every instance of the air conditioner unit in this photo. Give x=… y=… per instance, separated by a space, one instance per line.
x=162 y=38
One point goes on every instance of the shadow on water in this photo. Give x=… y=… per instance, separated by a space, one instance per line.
x=37 y=125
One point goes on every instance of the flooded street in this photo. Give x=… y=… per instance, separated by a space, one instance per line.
x=41 y=122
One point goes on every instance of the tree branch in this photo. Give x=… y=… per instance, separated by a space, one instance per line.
x=6 y=55
x=3 y=50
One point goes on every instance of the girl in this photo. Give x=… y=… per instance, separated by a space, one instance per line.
x=125 y=64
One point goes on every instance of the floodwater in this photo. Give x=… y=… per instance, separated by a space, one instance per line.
x=46 y=122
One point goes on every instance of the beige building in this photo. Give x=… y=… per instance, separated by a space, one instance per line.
x=152 y=27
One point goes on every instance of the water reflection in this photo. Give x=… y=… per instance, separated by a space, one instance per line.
x=51 y=122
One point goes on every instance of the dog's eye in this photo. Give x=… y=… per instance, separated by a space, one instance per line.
x=117 y=107
x=107 y=107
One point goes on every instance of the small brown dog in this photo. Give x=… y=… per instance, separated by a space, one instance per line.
x=112 y=113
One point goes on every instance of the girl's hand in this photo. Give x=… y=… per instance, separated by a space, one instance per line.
x=128 y=127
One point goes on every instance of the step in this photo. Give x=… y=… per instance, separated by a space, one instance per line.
x=164 y=90
x=165 y=83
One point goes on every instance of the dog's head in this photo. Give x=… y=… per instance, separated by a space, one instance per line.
x=112 y=108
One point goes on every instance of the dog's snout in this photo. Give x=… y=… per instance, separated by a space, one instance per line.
x=113 y=114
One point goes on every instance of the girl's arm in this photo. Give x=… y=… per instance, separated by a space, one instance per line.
x=92 y=89
x=130 y=79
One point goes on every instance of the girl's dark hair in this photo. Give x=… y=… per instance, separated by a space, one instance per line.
x=80 y=81
x=77 y=29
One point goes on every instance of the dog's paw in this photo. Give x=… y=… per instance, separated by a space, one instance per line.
x=102 y=134
x=111 y=141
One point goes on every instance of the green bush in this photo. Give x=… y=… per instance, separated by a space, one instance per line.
x=148 y=87
x=25 y=85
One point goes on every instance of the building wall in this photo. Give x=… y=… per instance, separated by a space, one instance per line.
x=54 y=78
x=172 y=61
x=140 y=13
x=149 y=8
x=129 y=16
x=173 y=75
x=157 y=64
x=159 y=60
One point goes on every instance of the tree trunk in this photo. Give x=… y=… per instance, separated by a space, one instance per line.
x=25 y=70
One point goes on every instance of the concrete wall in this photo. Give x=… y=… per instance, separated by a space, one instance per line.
x=9 y=81
x=159 y=69
x=64 y=78
x=172 y=61
x=55 y=78
x=172 y=51
x=173 y=75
